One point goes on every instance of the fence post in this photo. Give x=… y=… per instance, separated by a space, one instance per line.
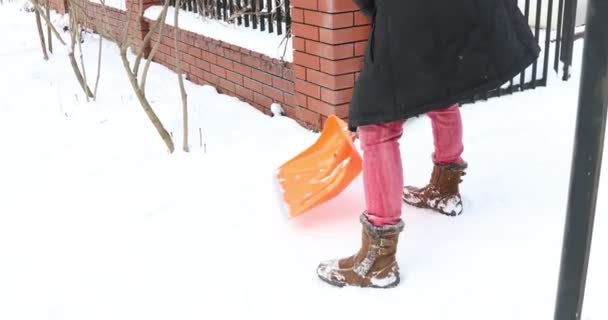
x=139 y=27
x=569 y=26
x=329 y=39
x=586 y=164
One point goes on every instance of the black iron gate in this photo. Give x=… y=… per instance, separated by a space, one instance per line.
x=551 y=35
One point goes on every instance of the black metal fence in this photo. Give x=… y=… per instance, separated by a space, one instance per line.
x=272 y=16
x=553 y=24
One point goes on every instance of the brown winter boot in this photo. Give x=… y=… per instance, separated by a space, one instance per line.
x=373 y=266
x=442 y=193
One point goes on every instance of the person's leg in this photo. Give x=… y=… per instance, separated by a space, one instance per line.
x=442 y=193
x=375 y=264
x=447 y=135
x=382 y=171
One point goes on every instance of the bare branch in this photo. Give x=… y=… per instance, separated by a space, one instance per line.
x=40 y=32
x=180 y=78
x=162 y=17
x=48 y=22
x=102 y=28
x=74 y=30
x=146 y=105
x=147 y=38
x=48 y=27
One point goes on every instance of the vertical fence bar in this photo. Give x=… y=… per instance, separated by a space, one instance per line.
x=568 y=36
x=586 y=165
x=279 y=17
x=231 y=7
x=539 y=7
x=254 y=10
x=288 y=15
x=246 y=17
x=238 y=8
x=548 y=42
x=270 y=15
x=522 y=79
x=558 y=40
x=225 y=9
x=261 y=15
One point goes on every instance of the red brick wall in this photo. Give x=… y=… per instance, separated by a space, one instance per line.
x=329 y=41
x=329 y=38
x=91 y=15
x=60 y=6
x=250 y=76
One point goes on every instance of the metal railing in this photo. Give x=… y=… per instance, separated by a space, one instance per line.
x=553 y=24
x=272 y=16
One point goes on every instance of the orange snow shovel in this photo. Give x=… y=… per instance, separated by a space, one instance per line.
x=322 y=171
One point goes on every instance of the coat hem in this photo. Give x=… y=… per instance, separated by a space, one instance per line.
x=368 y=119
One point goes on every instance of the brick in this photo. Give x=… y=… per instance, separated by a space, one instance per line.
x=234 y=77
x=225 y=63
x=288 y=73
x=336 y=96
x=199 y=73
x=299 y=44
x=329 y=51
x=308 y=116
x=271 y=67
x=233 y=55
x=320 y=106
x=335 y=6
x=306 y=60
x=275 y=94
x=252 y=84
x=299 y=72
x=189 y=59
x=212 y=79
x=305 y=4
x=344 y=35
x=242 y=69
x=360 y=48
x=289 y=99
x=202 y=64
x=194 y=51
x=218 y=71
x=361 y=19
x=261 y=76
x=297 y=15
x=305 y=31
x=342 y=66
x=328 y=20
x=250 y=61
x=227 y=85
x=210 y=57
x=308 y=88
x=282 y=84
x=244 y=93
x=301 y=100
x=262 y=100
x=330 y=81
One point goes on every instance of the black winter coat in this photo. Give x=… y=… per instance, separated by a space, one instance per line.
x=424 y=55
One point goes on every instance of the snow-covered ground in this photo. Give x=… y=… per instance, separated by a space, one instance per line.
x=97 y=221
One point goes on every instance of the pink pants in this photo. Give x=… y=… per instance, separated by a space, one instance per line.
x=382 y=169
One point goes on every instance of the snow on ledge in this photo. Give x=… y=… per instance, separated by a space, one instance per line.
x=116 y=4
x=269 y=44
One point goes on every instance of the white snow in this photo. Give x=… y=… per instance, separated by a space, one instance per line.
x=269 y=44
x=97 y=221
x=116 y=4
x=276 y=109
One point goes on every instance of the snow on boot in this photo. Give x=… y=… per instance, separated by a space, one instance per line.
x=442 y=193
x=373 y=266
